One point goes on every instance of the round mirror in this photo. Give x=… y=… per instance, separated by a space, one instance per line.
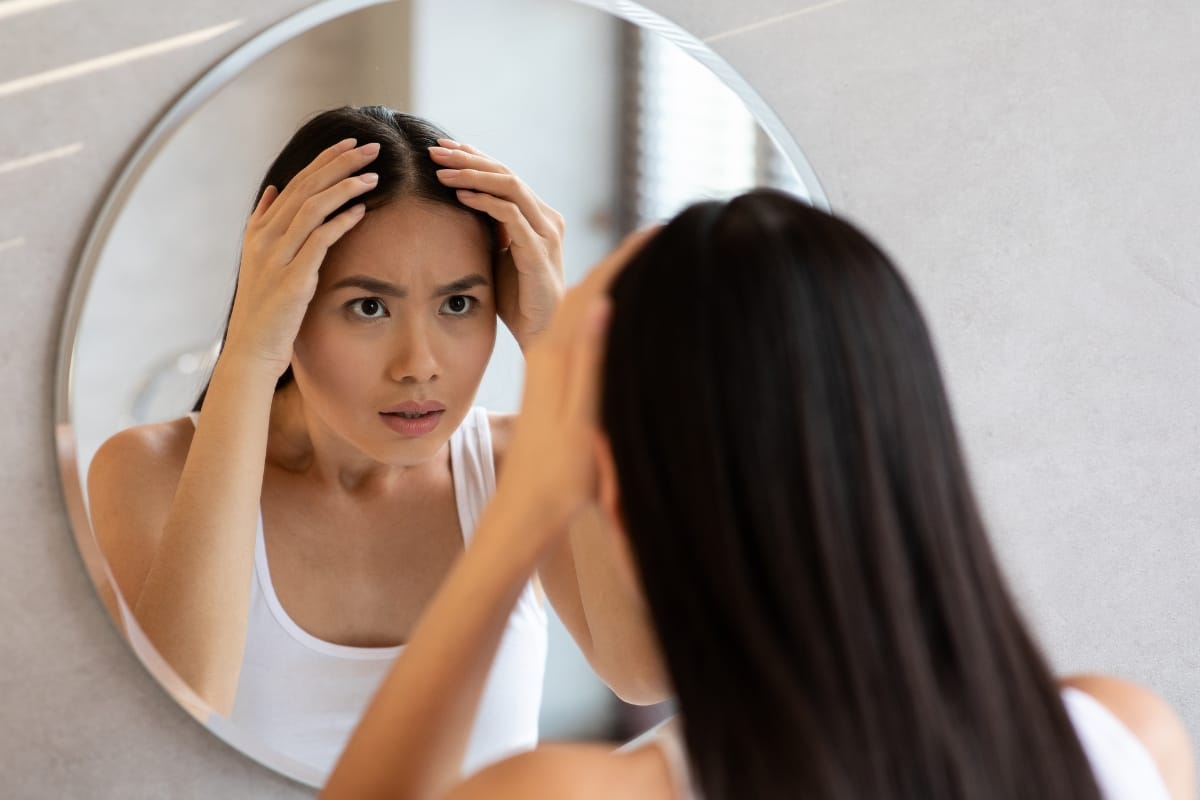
x=611 y=114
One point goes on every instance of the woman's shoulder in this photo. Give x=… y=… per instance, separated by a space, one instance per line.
x=131 y=483
x=140 y=466
x=573 y=772
x=156 y=445
x=1151 y=720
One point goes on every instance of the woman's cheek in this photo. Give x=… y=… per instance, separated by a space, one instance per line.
x=332 y=359
x=484 y=339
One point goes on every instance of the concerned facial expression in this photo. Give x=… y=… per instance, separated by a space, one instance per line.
x=397 y=337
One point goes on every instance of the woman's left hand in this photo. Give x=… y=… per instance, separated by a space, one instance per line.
x=529 y=273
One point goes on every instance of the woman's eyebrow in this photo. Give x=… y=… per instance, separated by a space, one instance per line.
x=381 y=287
x=368 y=284
x=461 y=285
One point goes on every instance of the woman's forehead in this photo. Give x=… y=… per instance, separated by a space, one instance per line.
x=412 y=242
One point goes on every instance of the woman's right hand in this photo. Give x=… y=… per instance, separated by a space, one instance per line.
x=286 y=239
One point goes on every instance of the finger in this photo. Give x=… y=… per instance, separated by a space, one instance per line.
x=316 y=210
x=569 y=316
x=516 y=227
x=250 y=236
x=324 y=157
x=332 y=152
x=264 y=202
x=450 y=144
x=462 y=158
x=505 y=186
x=310 y=257
x=556 y=219
x=318 y=176
x=601 y=275
x=587 y=356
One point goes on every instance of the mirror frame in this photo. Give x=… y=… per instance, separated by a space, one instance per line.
x=214 y=79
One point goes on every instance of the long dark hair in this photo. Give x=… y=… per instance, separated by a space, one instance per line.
x=830 y=612
x=403 y=164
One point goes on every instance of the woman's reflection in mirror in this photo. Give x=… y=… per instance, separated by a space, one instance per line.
x=278 y=545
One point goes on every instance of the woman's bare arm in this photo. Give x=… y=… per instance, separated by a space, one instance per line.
x=572 y=772
x=183 y=554
x=179 y=532
x=583 y=580
x=592 y=597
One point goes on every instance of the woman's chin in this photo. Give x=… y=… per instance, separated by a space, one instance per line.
x=410 y=451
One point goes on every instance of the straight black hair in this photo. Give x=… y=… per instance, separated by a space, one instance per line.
x=403 y=164
x=830 y=612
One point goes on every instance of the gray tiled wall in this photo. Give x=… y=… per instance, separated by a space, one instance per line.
x=1032 y=165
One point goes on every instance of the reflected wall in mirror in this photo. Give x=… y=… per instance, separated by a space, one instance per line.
x=612 y=121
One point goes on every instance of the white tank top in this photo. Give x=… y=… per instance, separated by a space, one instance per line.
x=1122 y=765
x=302 y=696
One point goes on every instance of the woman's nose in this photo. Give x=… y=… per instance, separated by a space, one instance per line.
x=413 y=359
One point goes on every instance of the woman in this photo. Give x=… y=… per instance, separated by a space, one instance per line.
x=278 y=547
x=775 y=455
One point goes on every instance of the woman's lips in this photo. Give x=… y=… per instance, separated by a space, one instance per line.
x=412 y=426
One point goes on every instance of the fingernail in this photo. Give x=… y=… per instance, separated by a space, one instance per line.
x=440 y=151
x=369 y=178
x=370 y=149
x=447 y=173
x=447 y=142
x=347 y=144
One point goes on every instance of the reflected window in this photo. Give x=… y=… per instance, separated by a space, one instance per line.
x=677 y=116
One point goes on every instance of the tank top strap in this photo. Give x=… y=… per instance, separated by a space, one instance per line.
x=262 y=595
x=473 y=467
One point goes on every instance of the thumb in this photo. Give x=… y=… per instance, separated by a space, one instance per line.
x=587 y=358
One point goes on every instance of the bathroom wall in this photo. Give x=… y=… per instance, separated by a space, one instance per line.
x=1033 y=169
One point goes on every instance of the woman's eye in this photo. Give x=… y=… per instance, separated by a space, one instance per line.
x=368 y=307
x=459 y=305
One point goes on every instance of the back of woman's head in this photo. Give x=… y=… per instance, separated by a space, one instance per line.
x=404 y=166
x=830 y=612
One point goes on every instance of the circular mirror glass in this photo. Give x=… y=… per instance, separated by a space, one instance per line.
x=612 y=115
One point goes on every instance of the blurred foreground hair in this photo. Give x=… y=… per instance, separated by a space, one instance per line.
x=830 y=612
